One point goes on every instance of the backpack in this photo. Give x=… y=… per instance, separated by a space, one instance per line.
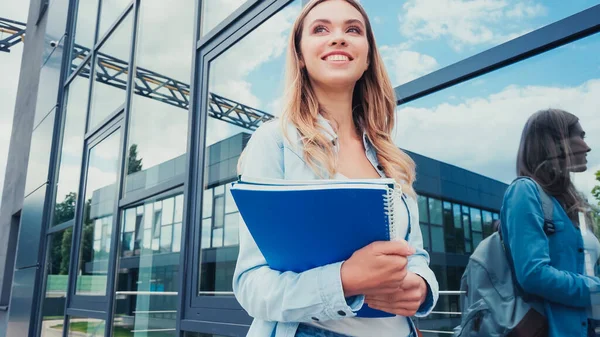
x=492 y=302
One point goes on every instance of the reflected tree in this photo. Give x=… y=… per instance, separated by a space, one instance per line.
x=133 y=163
x=65 y=210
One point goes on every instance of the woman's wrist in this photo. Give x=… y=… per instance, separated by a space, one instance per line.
x=350 y=289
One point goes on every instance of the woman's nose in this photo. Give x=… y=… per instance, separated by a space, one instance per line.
x=337 y=39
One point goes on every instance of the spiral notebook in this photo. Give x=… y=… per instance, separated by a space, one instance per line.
x=300 y=225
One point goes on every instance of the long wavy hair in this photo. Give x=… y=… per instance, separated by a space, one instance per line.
x=373 y=110
x=545 y=156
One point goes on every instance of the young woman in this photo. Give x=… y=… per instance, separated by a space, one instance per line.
x=550 y=263
x=338 y=115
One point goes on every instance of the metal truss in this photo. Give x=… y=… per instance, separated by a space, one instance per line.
x=113 y=71
x=15 y=31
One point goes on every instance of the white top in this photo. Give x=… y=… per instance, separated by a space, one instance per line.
x=368 y=327
x=591 y=248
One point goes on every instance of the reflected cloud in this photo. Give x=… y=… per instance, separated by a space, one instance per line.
x=406 y=65
x=466 y=22
x=482 y=134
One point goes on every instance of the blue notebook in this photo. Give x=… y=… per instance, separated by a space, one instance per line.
x=302 y=225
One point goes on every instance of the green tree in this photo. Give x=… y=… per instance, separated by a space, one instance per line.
x=65 y=210
x=65 y=252
x=596 y=189
x=133 y=164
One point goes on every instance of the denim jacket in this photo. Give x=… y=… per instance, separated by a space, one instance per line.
x=279 y=301
x=550 y=266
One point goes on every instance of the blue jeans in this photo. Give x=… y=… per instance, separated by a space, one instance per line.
x=312 y=331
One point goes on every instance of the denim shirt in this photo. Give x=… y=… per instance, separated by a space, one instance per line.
x=279 y=301
x=549 y=266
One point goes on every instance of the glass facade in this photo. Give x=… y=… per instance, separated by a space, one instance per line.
x=142 y=231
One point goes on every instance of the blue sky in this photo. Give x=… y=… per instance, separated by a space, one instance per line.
x=475 y=125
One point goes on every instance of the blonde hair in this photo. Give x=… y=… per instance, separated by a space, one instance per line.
x=374 y=108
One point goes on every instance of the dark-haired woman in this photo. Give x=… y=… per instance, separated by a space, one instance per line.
x=550 y=261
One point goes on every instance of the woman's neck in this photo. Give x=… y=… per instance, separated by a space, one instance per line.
x=337 y=108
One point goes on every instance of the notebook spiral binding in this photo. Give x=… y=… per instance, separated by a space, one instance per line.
x=390 y=210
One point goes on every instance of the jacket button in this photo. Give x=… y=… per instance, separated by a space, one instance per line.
x=580 y=250
x=341 y=313
x=583 y=323
x=314 y=319
x=380 y=168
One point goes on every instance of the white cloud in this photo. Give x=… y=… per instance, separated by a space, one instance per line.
x=482 y=134
x=406 y=65
x=465 y=22
x=229 y=73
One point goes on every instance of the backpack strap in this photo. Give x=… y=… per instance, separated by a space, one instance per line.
x=547 y=207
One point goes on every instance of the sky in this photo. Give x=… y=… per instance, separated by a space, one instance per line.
x=10 y=65
x=475 y=125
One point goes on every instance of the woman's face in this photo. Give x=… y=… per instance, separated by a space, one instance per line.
x=579 y=149
x=334 y=46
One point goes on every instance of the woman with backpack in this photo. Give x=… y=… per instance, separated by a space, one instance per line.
x=549 y=256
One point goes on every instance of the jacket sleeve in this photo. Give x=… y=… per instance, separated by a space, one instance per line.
x=523 y=221
x=418 y=263
x=271 y=295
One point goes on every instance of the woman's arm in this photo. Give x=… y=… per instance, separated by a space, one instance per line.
x=271 y=295
x=523 y=219
x=418 y=263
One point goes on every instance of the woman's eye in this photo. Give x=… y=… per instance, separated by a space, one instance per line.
x=354 y=30
x=319 y=29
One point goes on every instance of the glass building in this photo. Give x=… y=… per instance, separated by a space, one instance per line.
x=131 y=115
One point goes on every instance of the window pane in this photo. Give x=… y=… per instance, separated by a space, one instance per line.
x=435 y=211
x=477 y=238
x=147 y=283
x=416 y=39
x=111 y=10
x=238 y=92
x=219 y=211
x=423 y=215
x=425 y=232
x=85 y=29
x=85 y=327
x=159 y=115
x=213 y=12
x=466 y=226
x=111 y=68
x=100 y=194
x=57 y=267
x=232 y=229
x=476 y=219
x=487 y=223
x=437 y=239
x=457 y=216
x=179 y=209
x=167 y=211
x=72 y=149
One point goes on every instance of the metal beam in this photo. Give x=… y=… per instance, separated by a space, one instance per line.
x=15 y=31
x=572 y=28
x=113 y=71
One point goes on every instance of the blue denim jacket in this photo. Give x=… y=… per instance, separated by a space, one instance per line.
x=549 y=266
x=279 y=301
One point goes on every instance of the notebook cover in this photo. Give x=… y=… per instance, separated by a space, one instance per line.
x=297 y=230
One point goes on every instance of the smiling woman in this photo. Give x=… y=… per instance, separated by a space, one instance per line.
x=338 y=112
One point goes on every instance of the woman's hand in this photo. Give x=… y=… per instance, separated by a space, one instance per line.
x=377 y=269
x=405 y=301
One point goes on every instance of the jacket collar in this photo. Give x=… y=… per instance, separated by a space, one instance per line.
x=333 y=137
